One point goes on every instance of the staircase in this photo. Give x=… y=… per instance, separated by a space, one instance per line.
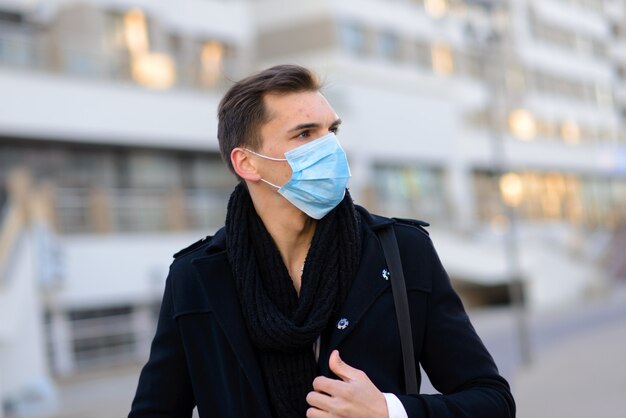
x=25 y=386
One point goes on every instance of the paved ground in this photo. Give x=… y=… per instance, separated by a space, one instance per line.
x=578 y=366
x=583 y=378
x=99 y=394
x=579 y=369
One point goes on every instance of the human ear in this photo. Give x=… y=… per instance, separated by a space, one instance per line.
x=244 y=165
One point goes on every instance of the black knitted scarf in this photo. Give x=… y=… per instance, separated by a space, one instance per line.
x=282 y=325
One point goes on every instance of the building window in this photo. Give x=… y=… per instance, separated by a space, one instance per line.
x=18 y=49
x=410 y=191
x=388 y=46
x=103 y=189
x=211 y=59
x=352 y=38
x=527 y=126
x=442 y=59
x=102 y=336
x=148 y=169
x=522 y=124
x=128 y=36
x=593 y=201
x=570 y=132
x=545 y=83
x=594 y=5
x=436 y=8
x=135 y=26
x=565 y=38
x=471 y=65
x=423 y=55
x=154 y=70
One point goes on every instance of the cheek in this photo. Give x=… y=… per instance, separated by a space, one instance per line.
x=285 y=172
x=279 y=173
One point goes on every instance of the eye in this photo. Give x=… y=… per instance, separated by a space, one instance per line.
x=304 y=134
x=334 y=129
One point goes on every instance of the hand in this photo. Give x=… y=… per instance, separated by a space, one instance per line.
x=353 y=396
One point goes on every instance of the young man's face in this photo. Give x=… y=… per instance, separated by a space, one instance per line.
x=295 y=119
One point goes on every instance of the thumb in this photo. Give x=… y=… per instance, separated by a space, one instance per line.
x=344 y=371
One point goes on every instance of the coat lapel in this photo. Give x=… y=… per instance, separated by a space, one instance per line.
x=368 y=284
x=219 y=286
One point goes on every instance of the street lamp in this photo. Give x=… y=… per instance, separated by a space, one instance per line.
x=521 y=124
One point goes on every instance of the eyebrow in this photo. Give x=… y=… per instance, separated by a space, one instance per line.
x=313 y=125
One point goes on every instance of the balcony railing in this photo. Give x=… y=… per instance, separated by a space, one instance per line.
x=138 y=210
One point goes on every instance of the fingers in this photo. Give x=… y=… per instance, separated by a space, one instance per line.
x=320 y=401
x=353 y=396
x=317 y=413
x=328 y=386
x=343 y=370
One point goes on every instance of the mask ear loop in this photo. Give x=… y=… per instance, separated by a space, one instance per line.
x=264 y=156
x=271 y=184
x=267 y=158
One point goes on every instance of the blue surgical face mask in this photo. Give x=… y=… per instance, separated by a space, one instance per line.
x=319 y=178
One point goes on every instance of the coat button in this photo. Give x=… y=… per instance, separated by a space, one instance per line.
x=386 y=274
x=343 y=323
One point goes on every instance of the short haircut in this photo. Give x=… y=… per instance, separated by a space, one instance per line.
x=242 y=112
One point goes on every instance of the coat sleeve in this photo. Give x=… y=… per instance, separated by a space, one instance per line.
x=455 y=359
x=164 y=388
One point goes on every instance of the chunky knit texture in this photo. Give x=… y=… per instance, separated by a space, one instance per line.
x=282 y=325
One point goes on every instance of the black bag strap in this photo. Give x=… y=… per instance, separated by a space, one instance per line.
x=398 y=288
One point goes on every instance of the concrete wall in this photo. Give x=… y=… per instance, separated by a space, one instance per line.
x=49 y=106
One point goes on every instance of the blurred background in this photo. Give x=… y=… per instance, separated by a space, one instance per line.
x=499 y=122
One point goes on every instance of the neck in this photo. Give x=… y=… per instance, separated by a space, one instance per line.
x=291 y=229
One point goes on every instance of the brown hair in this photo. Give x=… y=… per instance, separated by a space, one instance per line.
x=241 y=111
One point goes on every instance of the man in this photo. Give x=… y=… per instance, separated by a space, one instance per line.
x=287 y=310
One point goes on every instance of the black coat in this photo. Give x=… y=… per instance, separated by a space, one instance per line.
x=201 y=354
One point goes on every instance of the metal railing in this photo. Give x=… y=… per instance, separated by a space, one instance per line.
x=138 y=210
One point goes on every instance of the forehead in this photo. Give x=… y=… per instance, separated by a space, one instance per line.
x=300 y=107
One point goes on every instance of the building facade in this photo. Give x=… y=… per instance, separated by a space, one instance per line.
x=496 y=121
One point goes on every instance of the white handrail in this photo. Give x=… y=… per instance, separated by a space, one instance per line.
x=14 y=219
x=10 y=231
